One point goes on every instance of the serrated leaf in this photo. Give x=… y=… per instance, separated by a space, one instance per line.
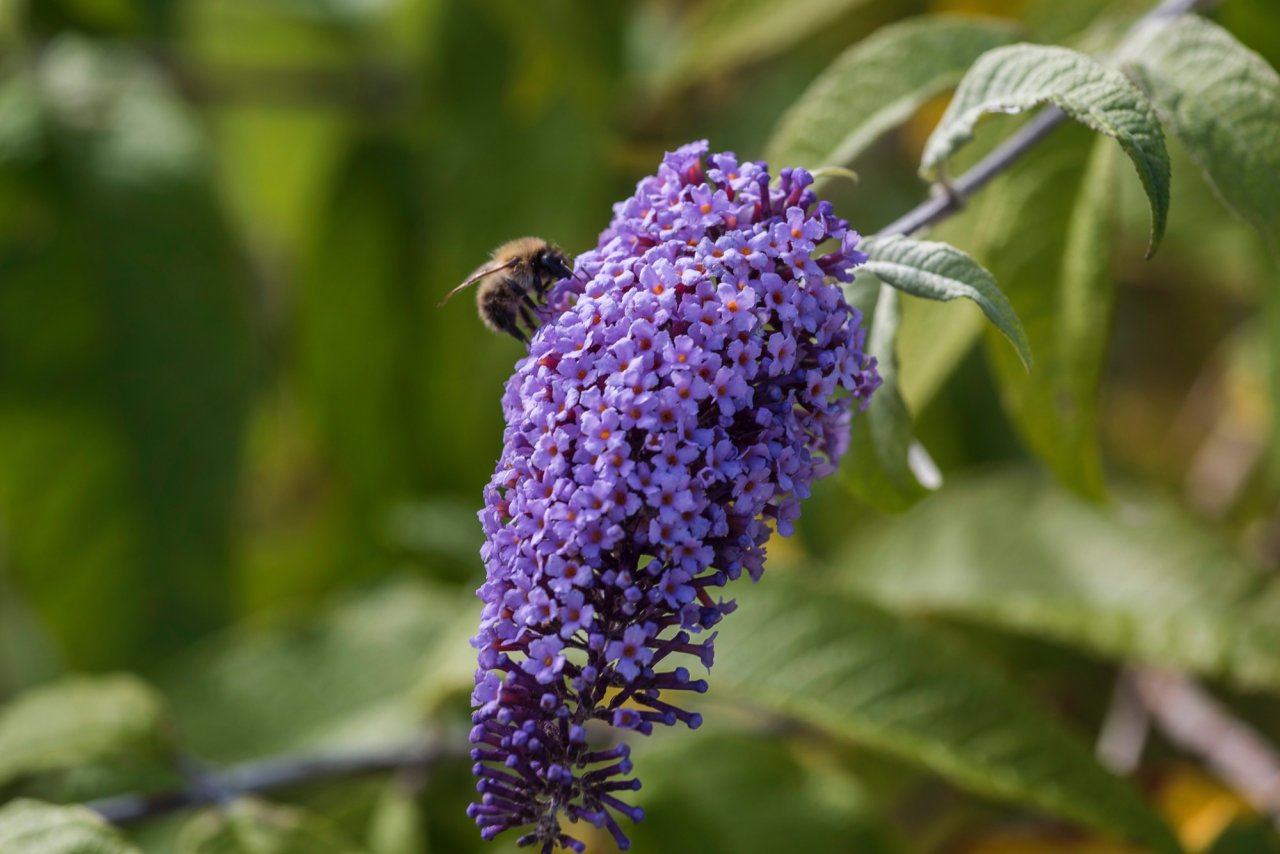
x=938 y=271
x=1222 y=101
x=78 y=721
x=879 y=83
x=1057 y=277
x=32 y=827
x=723 y=34
x=249 y=826
x=860 y=673
x=1138 y=582
x=1019 y=77
x=876 y=468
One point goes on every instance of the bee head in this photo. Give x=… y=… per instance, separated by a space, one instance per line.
x=552 y=262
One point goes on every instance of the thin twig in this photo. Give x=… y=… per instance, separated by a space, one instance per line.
x=1200 y=725
x=279 y=773
x=949 y=198
x=1124 y=730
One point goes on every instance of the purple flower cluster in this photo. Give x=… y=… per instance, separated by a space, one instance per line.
x=680 y=397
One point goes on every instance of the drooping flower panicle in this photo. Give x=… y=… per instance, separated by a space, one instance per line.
x=681 y=395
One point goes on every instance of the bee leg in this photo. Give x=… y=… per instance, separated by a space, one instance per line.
x=523 y=294
x=502 y=318
x=511 y=328
x=529 y=318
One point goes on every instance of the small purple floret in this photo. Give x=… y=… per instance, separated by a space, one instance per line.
x=679 y=399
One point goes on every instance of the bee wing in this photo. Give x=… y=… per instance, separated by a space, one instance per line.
x=480 y=272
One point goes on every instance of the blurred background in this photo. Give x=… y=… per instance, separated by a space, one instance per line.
x=241 y=449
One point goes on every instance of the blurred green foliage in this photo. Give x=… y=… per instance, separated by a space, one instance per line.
x=241 y=448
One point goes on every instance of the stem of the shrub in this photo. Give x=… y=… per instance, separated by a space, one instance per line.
x=215 y=787
x=1125 y=727
x=950 y=197
x=1200 y=725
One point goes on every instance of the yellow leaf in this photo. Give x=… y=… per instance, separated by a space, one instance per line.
x=1199 y=807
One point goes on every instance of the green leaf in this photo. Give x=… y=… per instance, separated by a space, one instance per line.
x=876 y=467
x=1057 y=277
x=1018 y=77
x=857 y=672
x=724 y=792
x=250 y=826
x=1222 y=101
x=879 y=83
x=356 y=676
x=1140 y=582
x=723 y=34
x=32 y=827
x=938 y=271
x=79 y=721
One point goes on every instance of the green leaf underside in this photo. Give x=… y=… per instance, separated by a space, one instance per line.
x=858 y=672
x=33 y=827
x=938 y=271
x=1222 y=101
x=879 y=83
x=79 y=721
x=1019 y=77
x=724 y=34
x=1139 y=583
x=1057 y=277
x=875 y=469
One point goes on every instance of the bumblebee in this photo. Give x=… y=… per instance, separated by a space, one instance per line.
x=508 y=285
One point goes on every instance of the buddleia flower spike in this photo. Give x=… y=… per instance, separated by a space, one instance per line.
x=681 y=394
